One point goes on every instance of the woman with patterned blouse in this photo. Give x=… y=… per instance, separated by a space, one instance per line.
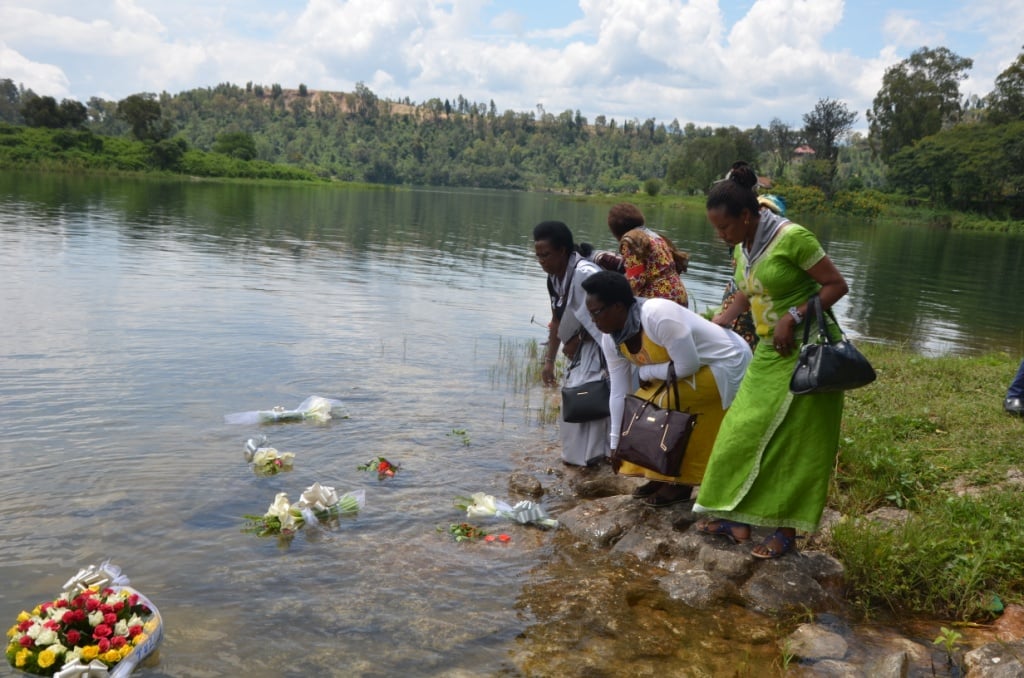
x=652 y=262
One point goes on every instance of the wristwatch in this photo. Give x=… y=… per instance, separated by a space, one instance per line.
x=796 y=315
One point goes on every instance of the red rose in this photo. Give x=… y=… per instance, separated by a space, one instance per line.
x=44 y=607
x=61 y=603
x=25 y=625
x=102 y=631
x=134 y=630
x=105 y=608
x=103 y=644
x=73 y=637
x=110 y=618
x=133 y=599
x=118 y=606
x=108 y=592
x=79 y=615
x=92 y=604
x=383 y=466
x=25 y=641
x=117 y=642
x=51 y=624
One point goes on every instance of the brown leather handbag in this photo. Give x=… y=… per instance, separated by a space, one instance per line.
x=655 y=437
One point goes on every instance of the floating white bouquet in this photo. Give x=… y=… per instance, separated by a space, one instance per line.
x=481 y=505
x=318 y=504
x=266 y=460
x=315 y=408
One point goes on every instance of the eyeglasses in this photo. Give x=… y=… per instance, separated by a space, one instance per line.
x=594 y=314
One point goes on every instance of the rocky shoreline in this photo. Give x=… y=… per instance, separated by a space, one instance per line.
x=806 y=587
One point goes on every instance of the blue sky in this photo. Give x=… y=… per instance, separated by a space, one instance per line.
x=710 y=62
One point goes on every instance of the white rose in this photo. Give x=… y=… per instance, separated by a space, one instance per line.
x=34 y=630
x=57 y=649
x=95 y=618
x=264 y=455
x=46 y=637
x=483 y=505
x=121 y=628
x=73 y=654
x=280 y=507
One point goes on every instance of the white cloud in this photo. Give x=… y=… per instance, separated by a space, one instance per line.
x=695 y=60
x=43 y=79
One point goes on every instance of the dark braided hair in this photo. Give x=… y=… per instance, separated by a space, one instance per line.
x=736 y=192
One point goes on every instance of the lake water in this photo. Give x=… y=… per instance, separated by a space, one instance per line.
x=136 y=314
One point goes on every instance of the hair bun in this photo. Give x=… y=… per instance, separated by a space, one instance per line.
x=743 y=174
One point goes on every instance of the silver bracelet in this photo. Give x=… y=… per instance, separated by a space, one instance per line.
x=796 y=315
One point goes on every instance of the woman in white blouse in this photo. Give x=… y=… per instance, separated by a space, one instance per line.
x=641 y=337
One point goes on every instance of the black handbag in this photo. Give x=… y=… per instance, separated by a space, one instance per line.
x=827 y=365
x=654 y=437
x=588 y=401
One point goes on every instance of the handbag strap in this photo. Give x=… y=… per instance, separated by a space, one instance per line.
x=579 y=351
x=814 y=307
x=675 y=387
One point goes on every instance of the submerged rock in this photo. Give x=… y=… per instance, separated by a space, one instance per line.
x=815 y=642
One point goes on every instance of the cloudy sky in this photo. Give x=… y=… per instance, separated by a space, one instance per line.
x=710 y=62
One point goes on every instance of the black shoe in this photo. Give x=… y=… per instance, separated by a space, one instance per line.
x=1014 y=406
x=647 y=489
x=669 y=495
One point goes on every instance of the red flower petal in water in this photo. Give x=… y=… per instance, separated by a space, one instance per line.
x=490 y=537
x=504 y=538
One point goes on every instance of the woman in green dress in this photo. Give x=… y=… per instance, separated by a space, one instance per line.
x=774 y=454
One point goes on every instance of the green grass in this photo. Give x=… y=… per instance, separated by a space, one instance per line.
x=930 y=436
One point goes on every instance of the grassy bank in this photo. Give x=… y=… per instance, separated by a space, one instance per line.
x=930 y=436
x=82 y=151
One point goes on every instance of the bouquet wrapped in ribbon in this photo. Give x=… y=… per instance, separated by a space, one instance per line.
x=98 y=626
x=318 y=504
x=265 y=460
x=479 y=505
x=313 y=408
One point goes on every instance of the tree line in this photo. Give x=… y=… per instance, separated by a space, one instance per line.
x=925 y=139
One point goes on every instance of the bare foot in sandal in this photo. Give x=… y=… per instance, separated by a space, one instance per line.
x=737 y=533
x=781 y=542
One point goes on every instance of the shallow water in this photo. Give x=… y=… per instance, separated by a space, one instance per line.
x=135 y=314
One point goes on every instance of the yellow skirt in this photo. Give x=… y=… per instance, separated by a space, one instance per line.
x=702 y=400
